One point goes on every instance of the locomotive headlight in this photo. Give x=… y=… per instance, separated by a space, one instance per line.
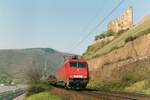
x=84 y=76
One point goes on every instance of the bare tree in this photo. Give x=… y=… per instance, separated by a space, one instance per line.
x=34 y=73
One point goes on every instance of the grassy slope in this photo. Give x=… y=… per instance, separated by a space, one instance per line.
x=43 y=96
x=140 y=87
x=120 y=41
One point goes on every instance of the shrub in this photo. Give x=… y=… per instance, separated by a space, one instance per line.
x=128 y=79
x=121 y=31
x=131 y=38
x=96 y=37
x=109 y=33
x=115 y=47
x=37 y=88
x=104 y=34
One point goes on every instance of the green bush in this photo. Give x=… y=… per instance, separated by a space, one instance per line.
x=121 y=31
x=37 y=88
x=131 y=38
x=129 y=78
x=104 y=34
x=109 y=33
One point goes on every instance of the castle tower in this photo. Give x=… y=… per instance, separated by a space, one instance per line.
x=122 y=23
x=130 y=15
x=128 y=18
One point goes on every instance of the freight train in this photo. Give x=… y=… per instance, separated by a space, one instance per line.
x=73 y=73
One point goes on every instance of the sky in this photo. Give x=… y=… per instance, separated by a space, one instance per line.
x=59 y=24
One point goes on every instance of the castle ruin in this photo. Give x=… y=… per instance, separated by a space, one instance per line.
x=122 y=23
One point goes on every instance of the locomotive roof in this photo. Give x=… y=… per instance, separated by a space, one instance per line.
x=79 y=60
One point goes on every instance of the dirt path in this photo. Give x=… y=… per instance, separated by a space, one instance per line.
x=73 y=95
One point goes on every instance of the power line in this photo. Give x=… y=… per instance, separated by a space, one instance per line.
x=89 y=23
x=91 y=20
x=101 y=22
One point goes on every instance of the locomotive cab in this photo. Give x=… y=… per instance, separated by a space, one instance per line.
x=77 y=74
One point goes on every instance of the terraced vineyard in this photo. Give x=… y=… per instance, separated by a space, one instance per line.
x=138 y=30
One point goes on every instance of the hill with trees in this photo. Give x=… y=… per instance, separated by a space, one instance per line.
x=15 y=64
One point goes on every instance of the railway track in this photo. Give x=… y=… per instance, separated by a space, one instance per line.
x=117 y=95
x=99 y=95
x=112 y=96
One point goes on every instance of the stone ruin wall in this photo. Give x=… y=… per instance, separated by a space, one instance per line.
x=122 y=23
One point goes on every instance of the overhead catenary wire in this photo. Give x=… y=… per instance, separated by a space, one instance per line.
x=101 y=22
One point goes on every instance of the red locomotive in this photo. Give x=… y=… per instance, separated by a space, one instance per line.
x=73 y=73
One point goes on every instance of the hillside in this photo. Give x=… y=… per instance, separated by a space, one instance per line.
x=124 y=63
x=14 y=64
x=143 y=27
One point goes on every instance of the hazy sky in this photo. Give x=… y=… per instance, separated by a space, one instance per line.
x=58 y=24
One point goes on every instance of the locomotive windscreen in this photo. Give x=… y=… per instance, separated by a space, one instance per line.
x=78 y=64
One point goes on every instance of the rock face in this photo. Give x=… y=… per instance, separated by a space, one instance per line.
x=137 y=48
x=133 y=51
x=122 y=23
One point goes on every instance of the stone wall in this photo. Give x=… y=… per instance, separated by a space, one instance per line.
x=138 y=48
x=133 y=56
x=122 y=23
